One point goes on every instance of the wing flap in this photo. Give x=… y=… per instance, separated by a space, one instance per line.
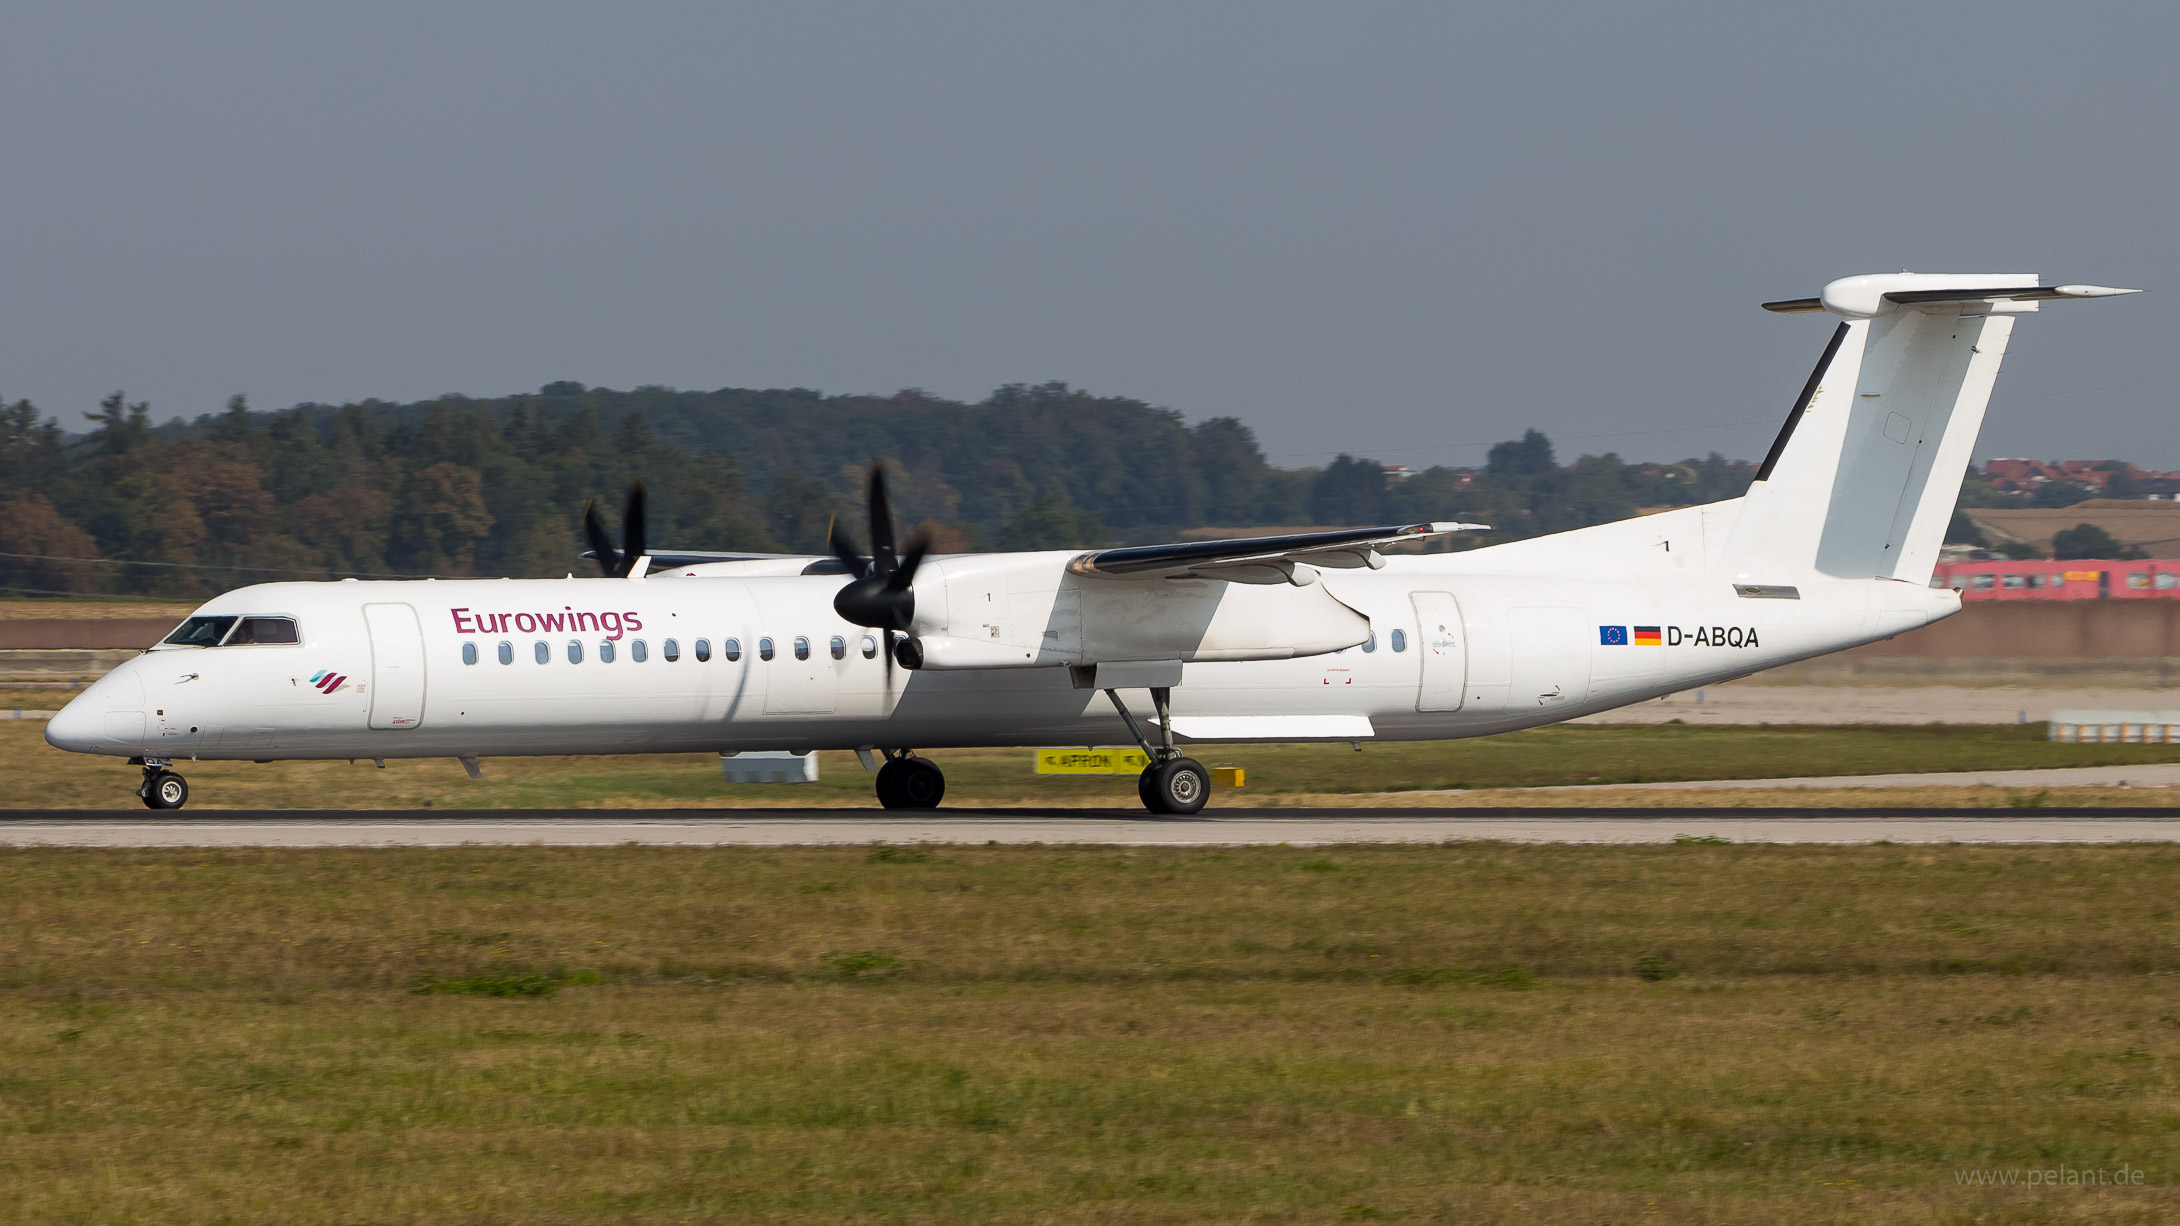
x=1260 y=559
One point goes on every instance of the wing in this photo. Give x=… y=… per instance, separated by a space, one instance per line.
x=1261 y=559
x=669 y=559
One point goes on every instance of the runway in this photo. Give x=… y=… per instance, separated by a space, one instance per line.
x=1296 y=827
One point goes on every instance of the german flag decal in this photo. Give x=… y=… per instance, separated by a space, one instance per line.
x=1648 y=636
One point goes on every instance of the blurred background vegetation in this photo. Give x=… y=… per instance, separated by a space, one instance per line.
x=458 y=486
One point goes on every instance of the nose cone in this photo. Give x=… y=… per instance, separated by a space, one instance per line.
x=108 y=718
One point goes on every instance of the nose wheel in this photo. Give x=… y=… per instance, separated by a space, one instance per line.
x=909 y=782
x=162 y=788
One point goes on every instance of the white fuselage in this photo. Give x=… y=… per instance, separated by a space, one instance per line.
x=1454 y=650
x=1293 y=638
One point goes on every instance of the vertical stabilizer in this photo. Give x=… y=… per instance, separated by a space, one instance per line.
x=1863 y=477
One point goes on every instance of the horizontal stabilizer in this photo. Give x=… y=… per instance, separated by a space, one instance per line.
x=1877 y=294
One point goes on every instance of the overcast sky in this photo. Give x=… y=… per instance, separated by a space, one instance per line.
x=1404 y=231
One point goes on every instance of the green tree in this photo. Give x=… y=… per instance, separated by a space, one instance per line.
x=1528 y=456
x=1350 y=491
x=2089 y=541
x=41 y=553
x=2061 y=494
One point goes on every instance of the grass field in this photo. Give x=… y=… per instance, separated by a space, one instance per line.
x=34 y=775
x=1475 y=1033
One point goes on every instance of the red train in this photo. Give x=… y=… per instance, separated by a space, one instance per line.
x=2154 y=578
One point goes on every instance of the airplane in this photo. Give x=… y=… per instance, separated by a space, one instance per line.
x=1308 y=637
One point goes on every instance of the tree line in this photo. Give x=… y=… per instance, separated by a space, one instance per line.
x=457 y=486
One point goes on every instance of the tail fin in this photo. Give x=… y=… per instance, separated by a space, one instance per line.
x=1862 y=479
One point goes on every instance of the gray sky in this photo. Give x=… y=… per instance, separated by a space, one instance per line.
x=1406 y=231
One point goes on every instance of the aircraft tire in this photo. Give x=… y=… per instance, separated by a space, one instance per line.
x=1177 y=786
x=166 y=790
x=917 y=784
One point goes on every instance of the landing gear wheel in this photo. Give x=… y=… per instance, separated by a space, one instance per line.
x=1177 y=786
x=910 y=783
x=164 y=790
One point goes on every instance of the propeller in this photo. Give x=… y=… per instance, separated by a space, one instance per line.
x=880 y=596
x=617 y=563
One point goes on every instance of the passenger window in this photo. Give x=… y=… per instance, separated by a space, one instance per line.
x=507 y=652
x=469 y=653
x=2166 y=580
x=1400 y=640
x=2139 y=581
x=732 y=650
x=764 y=648
x=200 y=632
x=703 y=650
x=840 y=648
x=671 y=649
x=2014 y=582
x=1370 y=644
x=263 y=631
x=605 y=651
x=1984 y=583
x=870 y=646
x=637 y=652
x=544 y=652
x=575 y=652
x=802 y=647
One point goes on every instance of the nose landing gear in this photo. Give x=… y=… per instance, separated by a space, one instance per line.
x=162 y=788
x=909 y=782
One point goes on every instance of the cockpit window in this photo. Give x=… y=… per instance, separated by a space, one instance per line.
x=263 y=630
x=201 y=632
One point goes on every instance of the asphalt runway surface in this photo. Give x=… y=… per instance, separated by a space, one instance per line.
x=1228 y=827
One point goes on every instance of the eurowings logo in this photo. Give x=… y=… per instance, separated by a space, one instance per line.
x=326 y=681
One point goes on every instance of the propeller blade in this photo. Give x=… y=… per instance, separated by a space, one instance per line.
x=844 y=549
x=601 y=545
x=905 y=572
x=879 y=596
x=883 y=559
x=632 y=529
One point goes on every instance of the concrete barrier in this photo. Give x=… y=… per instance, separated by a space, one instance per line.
x=2027 y=629
x=2124 y=727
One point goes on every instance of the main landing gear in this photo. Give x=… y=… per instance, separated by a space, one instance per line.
x=909 y=782
x=1171 y=784
x=162 y=788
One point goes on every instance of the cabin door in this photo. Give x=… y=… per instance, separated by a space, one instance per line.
x=1444 y=651
x=397 y=666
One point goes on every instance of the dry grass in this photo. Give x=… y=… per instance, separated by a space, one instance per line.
x=1488 y=771
x=79 y=610
x=1474 y=1033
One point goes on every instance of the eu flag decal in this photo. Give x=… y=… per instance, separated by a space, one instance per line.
x=1612 y=636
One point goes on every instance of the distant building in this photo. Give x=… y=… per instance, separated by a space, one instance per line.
x=2018 y=476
